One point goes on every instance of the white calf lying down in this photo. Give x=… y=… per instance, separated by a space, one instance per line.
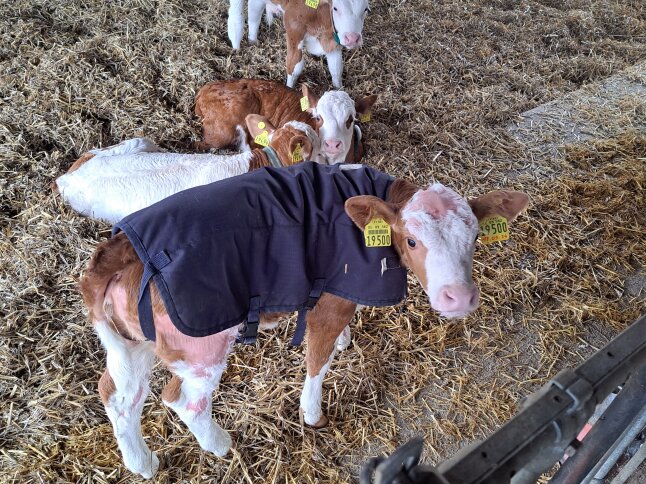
x=113 y=182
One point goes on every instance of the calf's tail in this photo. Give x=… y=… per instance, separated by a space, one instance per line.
x=107 y=265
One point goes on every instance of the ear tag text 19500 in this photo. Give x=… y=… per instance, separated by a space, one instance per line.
x=493 y=229
x=312 y=3
x=305 y=103
x=297 y=154
x=377 y=233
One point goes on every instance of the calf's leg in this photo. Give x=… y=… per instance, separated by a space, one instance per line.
x=256 y=7
x=124 y=387
x=190 y=392
x=324 y=325
x=335 y=66
x=235 y=22
x=295 y=60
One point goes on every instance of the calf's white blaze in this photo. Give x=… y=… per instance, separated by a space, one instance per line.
x=448 y=231
x=348 y=17
x=335 y=108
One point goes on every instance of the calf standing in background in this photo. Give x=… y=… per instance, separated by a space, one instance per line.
x=223 y=106
x=184 y=277
x=113 y=182
x=321 y=27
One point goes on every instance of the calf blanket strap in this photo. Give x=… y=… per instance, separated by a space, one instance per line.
x=144 y=304
x=315 y=294
x=273 y=157
x=250 y=332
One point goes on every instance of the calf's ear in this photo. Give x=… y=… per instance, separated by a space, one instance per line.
x=499 y=202
x=364 y=105
x=364 y=208
x=312 y=99
x=256 y=124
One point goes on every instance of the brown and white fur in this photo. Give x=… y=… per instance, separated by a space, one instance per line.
x=310 y=29
x=433 y=230
x=223 y=106
x=113 y=182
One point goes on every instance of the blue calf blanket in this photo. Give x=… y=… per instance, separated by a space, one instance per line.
x=267 y=241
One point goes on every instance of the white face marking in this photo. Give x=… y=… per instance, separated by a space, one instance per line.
x=337 y=112
x=313 y=137
x=348 y=17
x=443 y=221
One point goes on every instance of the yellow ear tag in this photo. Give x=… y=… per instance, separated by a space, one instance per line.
x=305 y=103
x=261 y=125
x=262 y=139
x=312 y=3
x=365 y=118
x=377 y=233
x=493 y=229
x=297 y=155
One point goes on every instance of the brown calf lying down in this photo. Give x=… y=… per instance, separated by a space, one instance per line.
x=223 y=105
x=434 y=233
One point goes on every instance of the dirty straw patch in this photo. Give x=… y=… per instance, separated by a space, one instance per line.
x=450 y=77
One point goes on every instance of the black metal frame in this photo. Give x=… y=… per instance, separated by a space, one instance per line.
x=537 y=437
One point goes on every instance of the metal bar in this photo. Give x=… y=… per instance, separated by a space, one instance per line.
x=631 y=466
x=612 y=456
x=494 y=458
x=621 y=412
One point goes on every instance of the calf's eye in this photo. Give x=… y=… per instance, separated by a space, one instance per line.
x=336 y=9
x=411 y=243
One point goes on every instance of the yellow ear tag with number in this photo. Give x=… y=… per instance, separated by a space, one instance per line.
x=262 y=139
x=365 y=118
x=493 y=229
x=312 y=3
x=305 y=103
x=297 y=155
x=377 y=233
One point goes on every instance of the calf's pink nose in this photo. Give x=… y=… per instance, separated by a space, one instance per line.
x=458 y=298
x=332 y=145
x=351 y=39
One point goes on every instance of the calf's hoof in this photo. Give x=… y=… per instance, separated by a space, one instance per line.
x=323 y=421
x=219 y=444
x=146 y=468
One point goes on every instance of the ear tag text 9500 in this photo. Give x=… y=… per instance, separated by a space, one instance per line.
x=262 y=139
x=365 y=117
x=312 y=3
x=493 y=229
x=377 y=233
x=305 y=103
x=297 y=154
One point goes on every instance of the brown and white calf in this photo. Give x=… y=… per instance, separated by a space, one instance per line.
x=323 y=29
x=113 y=182
x=434 y=233
x=223 y=106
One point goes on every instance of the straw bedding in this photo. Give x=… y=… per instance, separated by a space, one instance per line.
x=450 y=76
